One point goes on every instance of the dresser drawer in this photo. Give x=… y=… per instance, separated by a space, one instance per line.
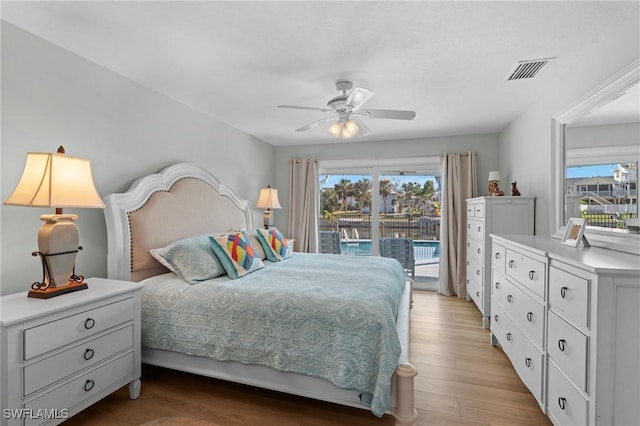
x=564 y=403
x=479 y=210
x=527 y=271
x=475 y=250
x=497 y=286
x=471 y=210
x=52 y=335
x=500 y=322
x=477 y=294
x=528 y=361
x=85 y=386
x=524 y=311
x=475 y=229
x=498 y=254
x=475 y=273
x=570 y=294
x=50 y=370
x=567 y=347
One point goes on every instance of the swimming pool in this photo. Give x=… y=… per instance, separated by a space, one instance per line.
x=422 y=250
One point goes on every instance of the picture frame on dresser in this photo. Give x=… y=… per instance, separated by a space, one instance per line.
x=574 y=232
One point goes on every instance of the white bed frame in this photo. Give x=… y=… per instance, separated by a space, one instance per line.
x=161 y=208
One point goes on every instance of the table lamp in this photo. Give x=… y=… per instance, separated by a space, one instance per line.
x=268 y=199
x=494 y=178
x=56 y=180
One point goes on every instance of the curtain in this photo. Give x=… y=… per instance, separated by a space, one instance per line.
x=303 y=207
x=459 y=183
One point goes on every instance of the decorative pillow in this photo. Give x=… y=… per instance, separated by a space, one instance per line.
x=155 y=253
x=236 y=253
x=192 y=259
x=257 y=246
x=274 y=244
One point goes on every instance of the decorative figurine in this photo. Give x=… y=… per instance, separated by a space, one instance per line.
x=514 y=189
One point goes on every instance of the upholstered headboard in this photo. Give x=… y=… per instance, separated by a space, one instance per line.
x=182 y=200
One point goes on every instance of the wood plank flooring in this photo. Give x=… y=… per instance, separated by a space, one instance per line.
x=462 y=380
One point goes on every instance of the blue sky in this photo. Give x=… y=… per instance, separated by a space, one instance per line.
x=333 y=179
x=589 y=171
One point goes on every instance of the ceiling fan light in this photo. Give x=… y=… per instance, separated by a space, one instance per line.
x=336 y=129
x=351 y=126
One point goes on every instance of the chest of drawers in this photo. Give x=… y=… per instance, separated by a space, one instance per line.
x=585 y=304
x=60 y=355
x=486 y=215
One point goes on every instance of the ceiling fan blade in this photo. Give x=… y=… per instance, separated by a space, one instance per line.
x=394 y=114
x=358 y=97
x=364 y=130
x=305 y=108
x=315 y=124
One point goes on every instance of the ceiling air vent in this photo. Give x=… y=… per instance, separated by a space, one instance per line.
x=528 y=69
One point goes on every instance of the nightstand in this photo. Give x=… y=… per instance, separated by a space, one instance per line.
x=60 y=355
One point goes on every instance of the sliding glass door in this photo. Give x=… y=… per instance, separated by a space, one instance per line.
x=364 y=203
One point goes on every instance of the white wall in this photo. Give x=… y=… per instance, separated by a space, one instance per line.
x=52 y=97
x=486 y=147
x=525 y=145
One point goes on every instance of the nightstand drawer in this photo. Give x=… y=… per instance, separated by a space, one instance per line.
x=49 y=336
x=567 y=347
x=50 y=370
x=85 y=386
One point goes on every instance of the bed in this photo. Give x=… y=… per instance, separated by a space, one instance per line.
x=185 y=201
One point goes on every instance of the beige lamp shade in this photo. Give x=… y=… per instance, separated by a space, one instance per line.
x=494 y=175
x=55 y=180
x=268 y=199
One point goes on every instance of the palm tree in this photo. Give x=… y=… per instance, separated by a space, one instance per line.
x=362 y=192
x=344 y=190
x=386 y=188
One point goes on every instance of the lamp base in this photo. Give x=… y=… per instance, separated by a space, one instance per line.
x=57 y=291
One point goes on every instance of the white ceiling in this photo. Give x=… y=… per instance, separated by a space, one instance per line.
x=236 y=61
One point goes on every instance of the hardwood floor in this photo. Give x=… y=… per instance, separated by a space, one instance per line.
x=462 y=380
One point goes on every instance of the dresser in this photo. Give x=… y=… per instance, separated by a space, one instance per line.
x=487 y=215
x=60 y=355
x=569 y=320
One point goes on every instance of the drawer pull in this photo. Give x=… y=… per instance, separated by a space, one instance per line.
x=88 y=354
x=563 y=292
x=530 y=316
x=562 y=402
x=478 y=251
x=477 y=271
x=527 y=362
x=509 y=298
x=511 y=263
x=497 y=255
x=479 y=228
x=89 y=323
x=468 y=244
x=561 y=344
x=468 y=226
x=88 y=385
x=509 y=336
x=477 y=294
x=467 y=282
x=497 y=285
x=532 y=275
x=495 y=318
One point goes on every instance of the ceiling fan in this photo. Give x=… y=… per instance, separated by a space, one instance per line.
x=347 y=113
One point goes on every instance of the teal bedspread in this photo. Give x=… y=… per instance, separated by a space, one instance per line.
x=328 y=316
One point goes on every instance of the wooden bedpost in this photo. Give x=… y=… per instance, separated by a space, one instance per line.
x=404 y=410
